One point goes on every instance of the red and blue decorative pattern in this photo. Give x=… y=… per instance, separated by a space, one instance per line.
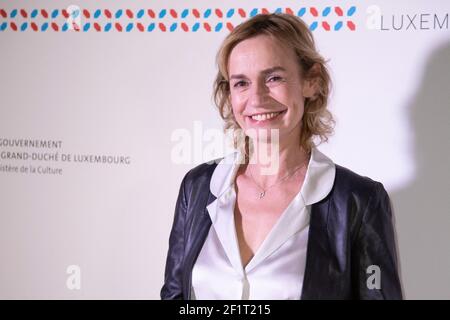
x=165 y=20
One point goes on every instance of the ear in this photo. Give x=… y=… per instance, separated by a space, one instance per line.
x=311 y=82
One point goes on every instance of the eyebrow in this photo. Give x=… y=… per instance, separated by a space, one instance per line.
x=264 y=72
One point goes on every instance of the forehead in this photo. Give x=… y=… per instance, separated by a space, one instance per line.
x=260 y=52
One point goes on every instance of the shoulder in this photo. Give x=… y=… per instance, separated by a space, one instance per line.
x=201 y=174
x=349 y=183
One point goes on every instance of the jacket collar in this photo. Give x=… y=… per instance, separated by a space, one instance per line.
x=318 y=182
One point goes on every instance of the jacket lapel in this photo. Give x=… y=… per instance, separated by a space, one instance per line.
x=316 y=276
x=197 y=234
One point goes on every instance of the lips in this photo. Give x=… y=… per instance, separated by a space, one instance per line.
x=261 y=118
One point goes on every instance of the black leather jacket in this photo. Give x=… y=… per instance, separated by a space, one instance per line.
x=350 y=230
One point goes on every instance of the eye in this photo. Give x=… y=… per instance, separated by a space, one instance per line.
x=240 y=84
x=275 y=79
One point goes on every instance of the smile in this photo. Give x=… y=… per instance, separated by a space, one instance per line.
x=266 y=116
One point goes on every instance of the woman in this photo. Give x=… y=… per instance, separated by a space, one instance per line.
x=291 y=225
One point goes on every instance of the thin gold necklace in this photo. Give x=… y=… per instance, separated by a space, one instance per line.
x=263 y=193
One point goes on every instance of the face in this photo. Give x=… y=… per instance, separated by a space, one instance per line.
x=266 y=89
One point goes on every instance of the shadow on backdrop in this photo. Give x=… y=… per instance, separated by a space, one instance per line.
x=422 y=209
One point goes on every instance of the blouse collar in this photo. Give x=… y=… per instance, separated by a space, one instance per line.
x=317 y=185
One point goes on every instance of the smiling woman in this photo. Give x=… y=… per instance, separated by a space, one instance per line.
x=283 y=51
x=310 y=229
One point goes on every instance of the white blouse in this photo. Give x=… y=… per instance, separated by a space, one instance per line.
x=277 y=269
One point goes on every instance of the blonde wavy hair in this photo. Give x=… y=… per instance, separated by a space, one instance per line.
x=293 y=33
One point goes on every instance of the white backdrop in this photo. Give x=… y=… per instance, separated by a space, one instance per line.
x=105 y=96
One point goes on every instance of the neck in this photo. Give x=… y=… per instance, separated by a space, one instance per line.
x=268 y=165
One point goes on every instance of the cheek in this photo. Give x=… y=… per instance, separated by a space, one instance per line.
x=236 y=100
x=293 y=99
x=237 y=107
x=299 y=109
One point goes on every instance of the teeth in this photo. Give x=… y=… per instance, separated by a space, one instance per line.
x=265 y=116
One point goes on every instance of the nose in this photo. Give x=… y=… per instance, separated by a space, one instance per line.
x=258 y=94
